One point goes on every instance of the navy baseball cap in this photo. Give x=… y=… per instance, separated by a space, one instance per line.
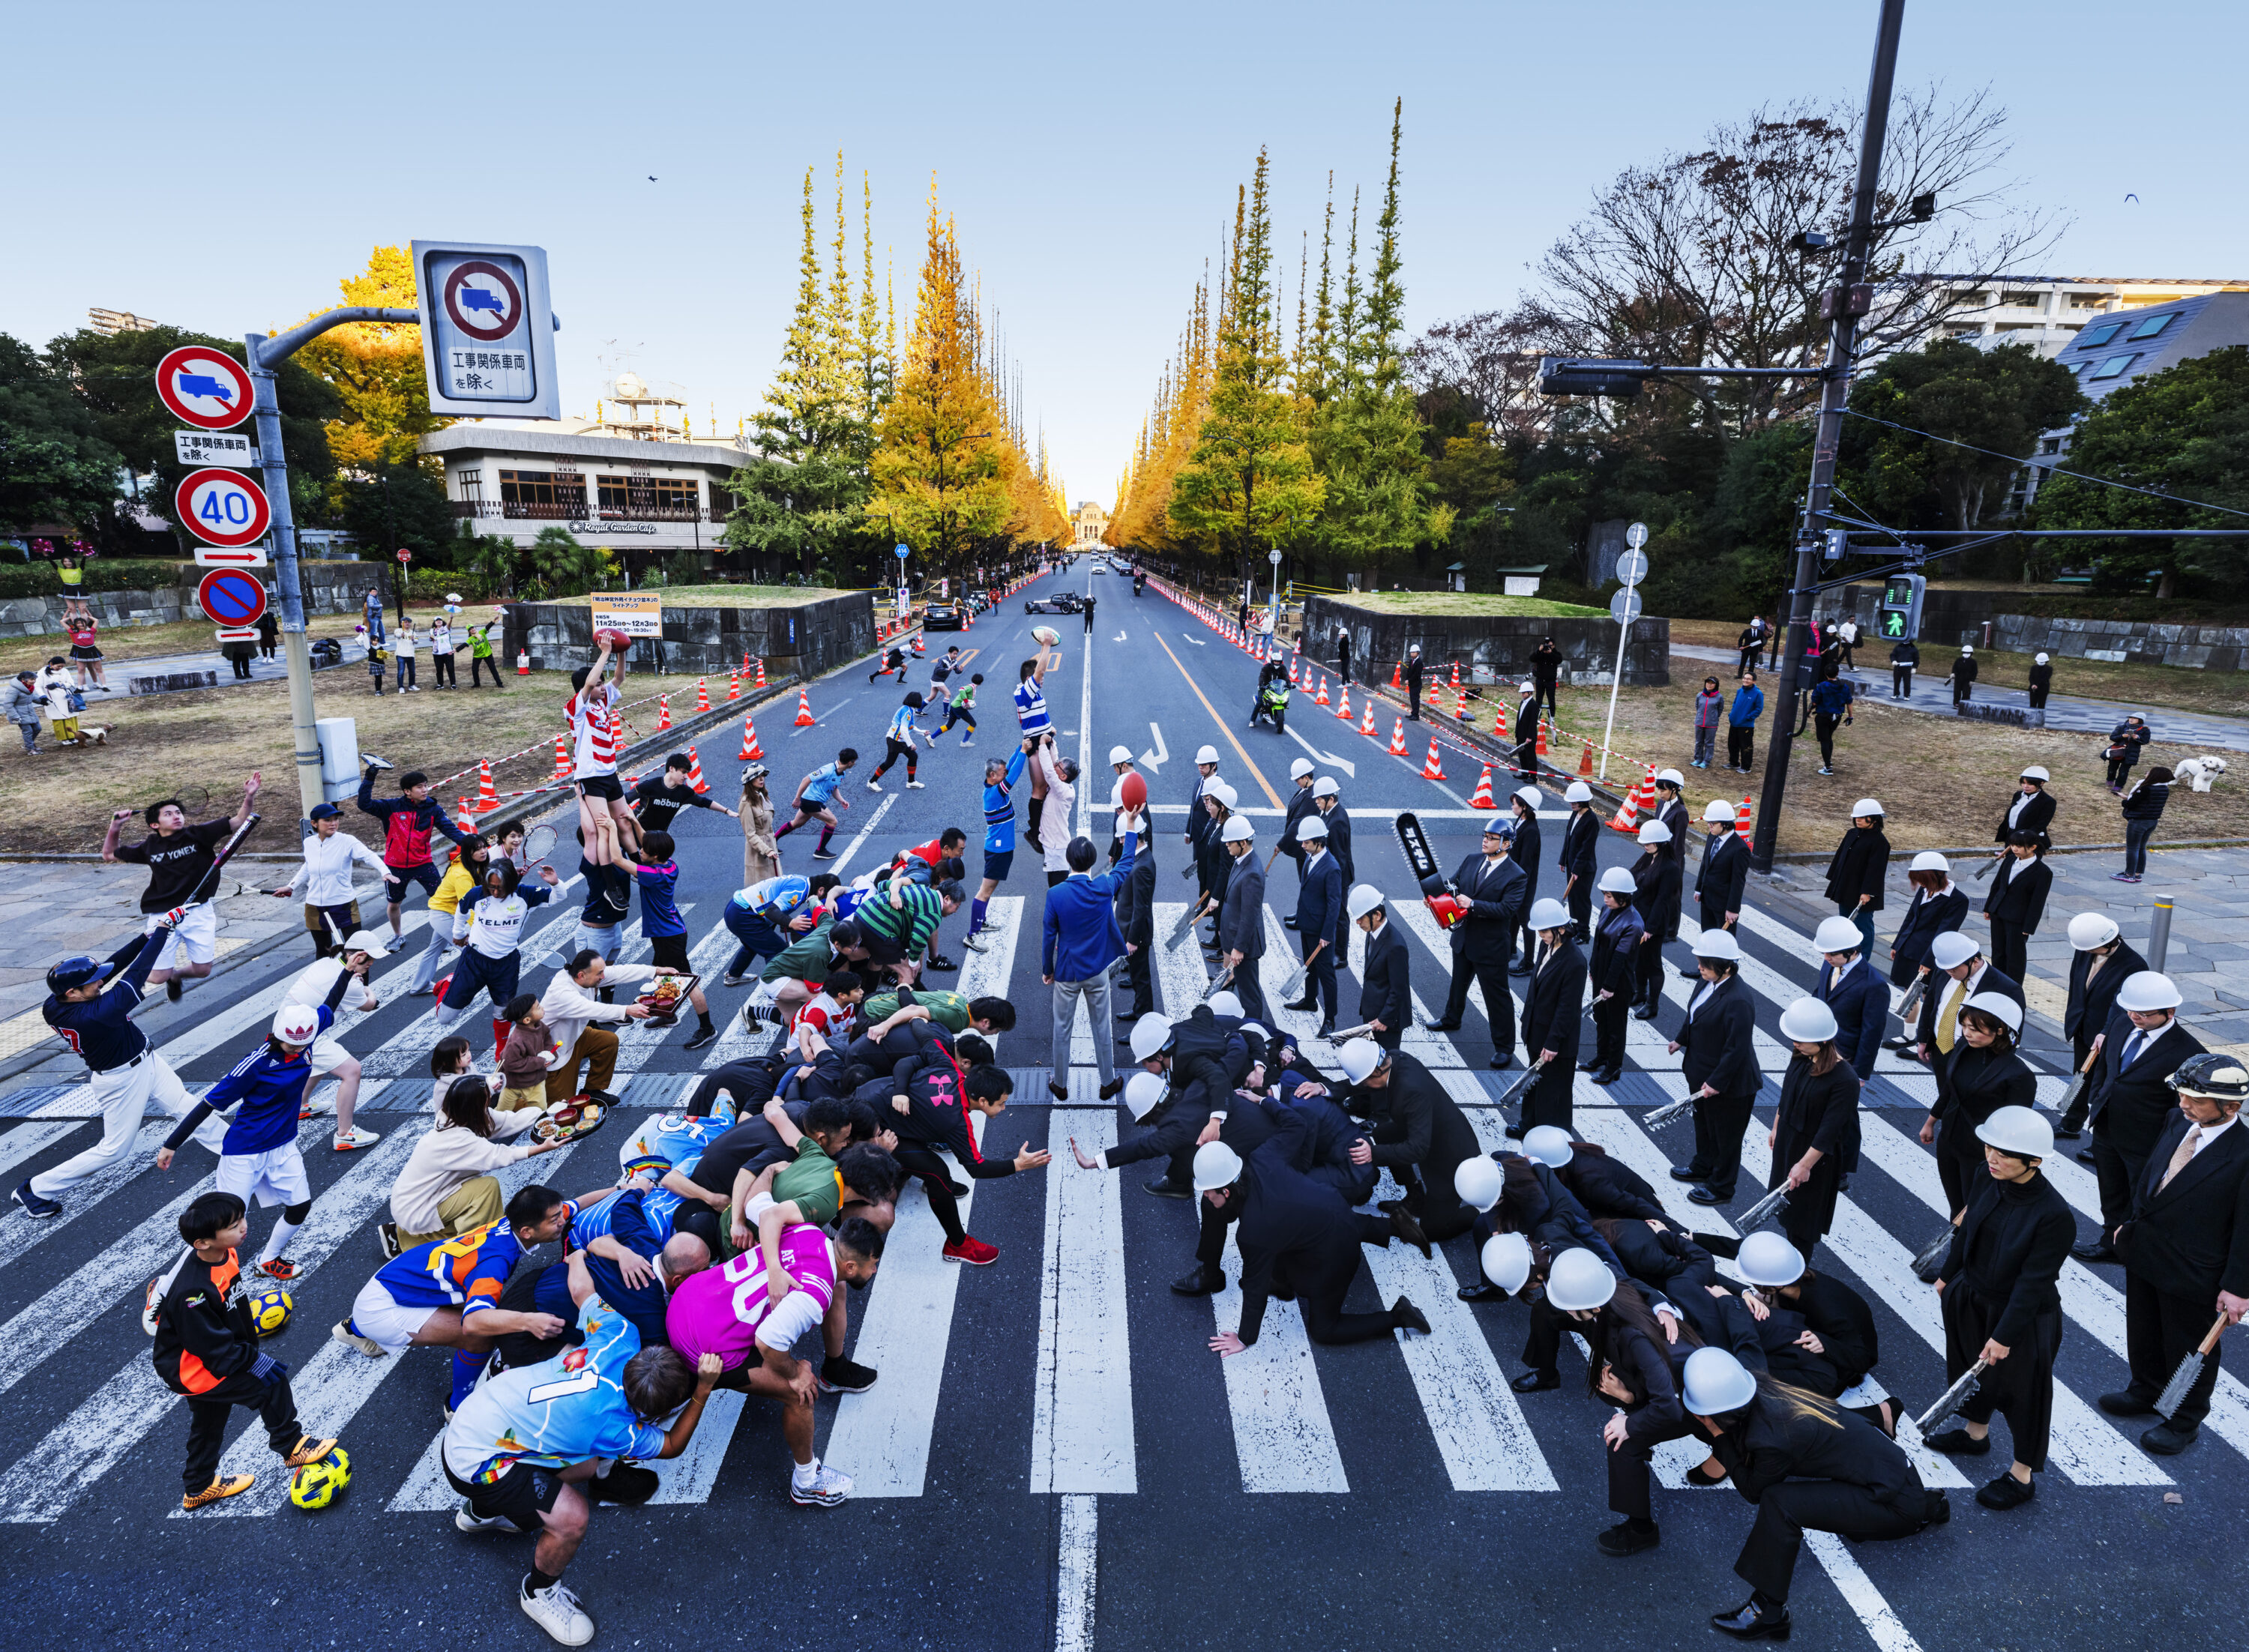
x=324 y=811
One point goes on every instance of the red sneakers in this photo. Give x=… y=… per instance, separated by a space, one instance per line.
x=972 y=1251
x=279 y=1268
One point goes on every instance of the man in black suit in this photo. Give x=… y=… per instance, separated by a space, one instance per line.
x=1724 y=872
x=1242 y=919
x=1719 y=1065
x=1523 y=808
x=1670 y=810
x=1327 y=798
x=1319 y=922
x=1492 y=884
x=2142 y=1046
x=1300 y=805
x=2186 y=1246
x=1576 y=860
x=1385 y=990
x=2100 y=963
x=1136 y=921
x=1955 y=956
x=1553 y=1013
x=1414 y=682
x=2017 y=902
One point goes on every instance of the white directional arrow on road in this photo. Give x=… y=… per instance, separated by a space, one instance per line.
x=1350 y=769
x=1198 y=642
x=1155 y=757
x=1120 y=636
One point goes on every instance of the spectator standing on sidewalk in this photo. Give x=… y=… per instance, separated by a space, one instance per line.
x=1750 y=642
x=1546 y=673
x=1709 y=711
x=2041 y=682
x=1414 y=682
x=1741 y=723
x=408 y=646
x=23 y=701
x=1846 y=638
x=2125 y=742
x=1831 y=708
x=1964 y=675
x=2143 y=807
x=269 y=634
x=1905 y=656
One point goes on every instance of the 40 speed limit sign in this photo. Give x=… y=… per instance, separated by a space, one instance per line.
x=225 y=507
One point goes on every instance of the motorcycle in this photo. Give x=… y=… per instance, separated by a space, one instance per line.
x=1272 y=702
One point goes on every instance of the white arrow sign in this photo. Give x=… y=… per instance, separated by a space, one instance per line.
x=1155 y=757
x=1350 y=769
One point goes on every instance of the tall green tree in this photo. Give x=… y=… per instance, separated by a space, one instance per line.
x=54 y=466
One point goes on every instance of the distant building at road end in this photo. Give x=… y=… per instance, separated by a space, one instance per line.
x=1090 y=524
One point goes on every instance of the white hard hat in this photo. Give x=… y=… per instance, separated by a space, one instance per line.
x=1769 y=1259
x=1837 y=935
x=1255 y=1029
x=1225 y=794
x=2091 y=929
x=1866 y=805
x=2000 y=1008
x=1967 y=647
x=1578 y=1280
x=1718 y=812
x=1547 y=912
x=1531 y=797
x=1362 y=900
x=2037 y=772
x=1477 y=1181
x=1716 y=1382
x=1142 y=1091
x=1149 y=1034
x=1226 y=1003
x=1930 y=861
x=1300 y=768
x=1310 y=827
x=1654 y=832
x=1120 y=754
x=1326 y=787
x=1507 y=1261
x=2037 y=659
x=1951 y=950
x=1670 y=777
x=1578 y=792
x=1807 y=1021
x=1237 y=829
x=1616 y=880
x=1206 y=754
x=1359 y=1057
x=2018 y=1130
x=1717 y=943
x=297 y=1022
x=367 y=942
x=1549 y=1144
x=1216 y=1165
x=1525 y=687
x=2148 y=990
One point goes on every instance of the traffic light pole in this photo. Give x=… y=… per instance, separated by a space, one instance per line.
x=1835 y=388
x=263 y=356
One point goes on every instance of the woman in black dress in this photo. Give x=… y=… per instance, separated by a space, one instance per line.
x=1938 y=906
x=1815 y=1130
x=1615 y=972
x=1981 y=1075
x=1655 y=897
x=2000 y=1303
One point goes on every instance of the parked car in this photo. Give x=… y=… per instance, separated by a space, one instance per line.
x=943 y=616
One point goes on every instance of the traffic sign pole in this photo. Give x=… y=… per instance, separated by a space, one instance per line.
x=1624 y=608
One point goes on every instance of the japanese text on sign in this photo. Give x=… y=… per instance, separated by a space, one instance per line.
x=636 y=615
x=213 y=447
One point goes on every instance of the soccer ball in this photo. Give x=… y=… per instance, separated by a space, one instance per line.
x=315 y=1485
x=268 y=1310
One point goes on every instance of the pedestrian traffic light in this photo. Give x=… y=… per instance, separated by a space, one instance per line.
x=1898 y=614
x=1620 y=377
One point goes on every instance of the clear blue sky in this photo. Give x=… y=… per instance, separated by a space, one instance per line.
x=1090 y=154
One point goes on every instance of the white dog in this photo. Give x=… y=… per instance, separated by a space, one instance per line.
x=2201 y=772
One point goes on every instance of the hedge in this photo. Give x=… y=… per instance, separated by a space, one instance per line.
x=40 y=578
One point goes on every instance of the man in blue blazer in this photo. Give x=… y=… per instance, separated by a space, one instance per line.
x=1319 y=921
x=1859 y=999
x=1080 y=942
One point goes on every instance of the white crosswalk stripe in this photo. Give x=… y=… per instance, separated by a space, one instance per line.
x=1082 y=1416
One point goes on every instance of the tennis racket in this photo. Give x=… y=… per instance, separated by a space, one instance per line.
x=537 y=844
x=193 y=800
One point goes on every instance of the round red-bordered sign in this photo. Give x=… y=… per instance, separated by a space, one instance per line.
x=467 y=318
x=223 y=506
x=207 y=387
x=229 y=597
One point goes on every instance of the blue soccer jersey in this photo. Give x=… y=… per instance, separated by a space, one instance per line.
x=464 y=1273
x=664 y=1139
x=569 y=1410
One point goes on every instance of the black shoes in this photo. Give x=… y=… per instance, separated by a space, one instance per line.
x=2126 y=1404
x=1482 y=1291
x=1518 y=968
x=1606 y=1076
x=840 y=1375
x=941 y=963
x=1403 y=1224
x=1500 y=1062
x=1645 y=1012
x=1710 y=1195
x=1288 y=923
x=627 y=1484
x=2095 y=1250
x=2168 y=1439
x=2064 y=1134
x=1535 y=1382
x=1202 y=1282
x=1059 y=1092
x=1165 y=1188
x=172 y=989
x=1958 y=1443
x=707 y=1034
x=1303 y=1005
x=1112 y=1090
x=1404 y=1316
x=2007 y=1492
x=1686 y=1173
x=1755 y=1619
x=1441 y=1026
x=1629 y=1536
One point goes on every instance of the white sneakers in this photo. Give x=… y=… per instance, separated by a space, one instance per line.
x=343 y=1332
x=913 y=786
x=347 y=1140
x=873 y=786
x=465 y=1520
x=556 y=1610
x=827 y=1487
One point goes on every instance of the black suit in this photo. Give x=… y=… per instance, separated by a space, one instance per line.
x=1926 y=917
x=1674 y=814
x=1385 y=992
x=1525 y=853
x=1608 y=1186
x=2015 y=905
x=1338 y=819
x=1723 y=875
x=1716 y=1049
x=1136 y=921
x=1481 y=941
x=1553 y=1013
x=2037 y=816
x=1578 y=861
x=1932 y=1001
x=2092 y=995
x=1421 y=1137
x=1299 y=806
x=2132 y=1107
x=2184 y=1244
x=1655 y=897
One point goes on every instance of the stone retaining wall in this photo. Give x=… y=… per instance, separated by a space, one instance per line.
x=809 y=637
x=1950 y=618
x=329 y=587
x=1490 y=647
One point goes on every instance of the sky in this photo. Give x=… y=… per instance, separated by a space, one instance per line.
x=223 y=166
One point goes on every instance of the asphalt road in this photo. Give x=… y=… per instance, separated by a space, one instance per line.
x=1052 y=1457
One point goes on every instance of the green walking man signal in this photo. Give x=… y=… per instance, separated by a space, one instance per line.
x=1899 y=612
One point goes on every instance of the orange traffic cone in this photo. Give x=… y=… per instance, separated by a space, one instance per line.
x=1292 y=674
x=751 y=750
x=1585 y=762
x=1456 y=674
x=1461 y=711
x=1367 y=724
x=702 y=694
x=487 y=799
x=1343 y=703
x=1642 y=796
x=1542 y=736
x=746 y=663
x=1322 y=697
x=523 y=662
x=1482 y=799
x=663 y=712
x=734 y=685
x=1433 y=767
x=695 y=780
x=804 y=717
x=561 y=757
x=761 y=671
x=1398 y=739
x=1743 y=819
x=917 y=648
x=1397 y=673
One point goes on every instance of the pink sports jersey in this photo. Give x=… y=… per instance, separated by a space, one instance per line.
x=724 y=1311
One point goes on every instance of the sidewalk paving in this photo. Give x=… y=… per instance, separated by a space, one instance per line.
x=1932 y=693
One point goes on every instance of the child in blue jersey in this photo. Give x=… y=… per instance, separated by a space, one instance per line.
x=962 y=707
x=814 y=795
x=488 y=928
x=999 y=834
x=520 y=1448
x=1030 y=699
x=900 y=740
x=756 y=917
x=260 y=1158
x=663 y=927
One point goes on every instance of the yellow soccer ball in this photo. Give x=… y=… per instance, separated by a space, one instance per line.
x=315 y=1485
x=268 y=1310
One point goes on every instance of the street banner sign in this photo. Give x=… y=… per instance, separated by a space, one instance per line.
x=240 y=556
x=230 y=597
x=223 y=506
x=636 y=614
x=1625 y=606
x=212 y=447
x=205 y=388
x=487 y=329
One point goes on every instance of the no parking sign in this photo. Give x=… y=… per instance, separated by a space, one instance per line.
x=230 y=597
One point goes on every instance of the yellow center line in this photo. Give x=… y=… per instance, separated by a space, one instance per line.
x=1272 y=796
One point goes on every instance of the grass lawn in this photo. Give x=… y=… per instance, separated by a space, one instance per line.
x=1944 y=784
x=1466 y=602
x=147 y=641
x=723 y=596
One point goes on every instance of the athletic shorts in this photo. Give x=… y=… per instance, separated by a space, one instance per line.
x=668 y=952
x=601 y=785
x=197 y=937
x=602 y=940
x=275 y=1176
x=473 y=969
x=523 y=1496
x=807 y=810
x=425 y=874
x=997 y=864
x=326 y=1055
x=389 y=1322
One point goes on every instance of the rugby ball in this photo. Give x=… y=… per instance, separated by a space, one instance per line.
x=1047 y=634
x=618 y=641
x=1133 y=791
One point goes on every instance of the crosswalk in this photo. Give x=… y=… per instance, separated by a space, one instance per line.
x=1105 y=1376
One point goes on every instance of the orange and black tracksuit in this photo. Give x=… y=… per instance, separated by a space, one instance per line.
x=206 y=1351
